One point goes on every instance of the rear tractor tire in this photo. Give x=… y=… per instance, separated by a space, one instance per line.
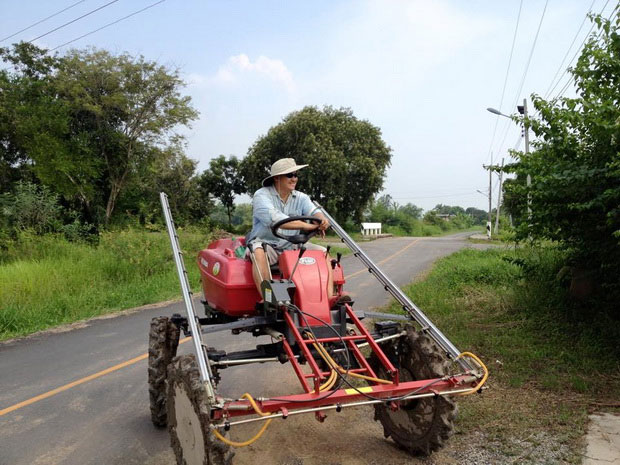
x=189 y=417
x=163 y=343
x=419 y=426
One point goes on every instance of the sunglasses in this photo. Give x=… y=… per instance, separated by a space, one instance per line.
x=292 y=175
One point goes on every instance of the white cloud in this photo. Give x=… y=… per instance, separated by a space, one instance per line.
x=239 y=66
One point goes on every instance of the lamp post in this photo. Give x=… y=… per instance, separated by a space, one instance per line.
x=526 y=134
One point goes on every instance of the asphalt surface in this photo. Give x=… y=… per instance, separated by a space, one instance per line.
x=106 y=419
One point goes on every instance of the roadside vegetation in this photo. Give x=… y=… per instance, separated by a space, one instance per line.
x=411 y=220
x=549 y=364
x=46 y=281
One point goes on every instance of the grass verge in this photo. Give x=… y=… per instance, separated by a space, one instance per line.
x=46 y=281
x=55 y=282
x=547 y=370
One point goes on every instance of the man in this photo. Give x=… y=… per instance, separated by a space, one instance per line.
x=276 y=201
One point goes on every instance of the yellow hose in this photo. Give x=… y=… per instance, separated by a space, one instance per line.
x=257 y=409
x=330 y=382
x=331 y=362
x=484 y=377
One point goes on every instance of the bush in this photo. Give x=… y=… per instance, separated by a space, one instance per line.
x=32 y=207
x=47 y=280
x=575 y=167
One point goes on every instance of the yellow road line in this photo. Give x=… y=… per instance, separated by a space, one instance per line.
x=60 y=389
x=114 y=368
x=384 y=260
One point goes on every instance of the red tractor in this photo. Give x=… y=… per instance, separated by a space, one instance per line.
x=407 y=374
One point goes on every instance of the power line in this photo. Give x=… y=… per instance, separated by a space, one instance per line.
x=109 y=24
x=573 y=59
x=501 y=101
x=527 y=66
x=465 y=194
x=43 y=20
x=74 y=20
x=596 y=39
x=440 y=192
x=548 y=92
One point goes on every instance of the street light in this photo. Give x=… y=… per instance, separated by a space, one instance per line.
x=497 y=112
x=526 y=134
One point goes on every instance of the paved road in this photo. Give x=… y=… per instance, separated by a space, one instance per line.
x=106 y=420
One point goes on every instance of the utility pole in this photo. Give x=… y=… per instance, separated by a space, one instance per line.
x=489 y=221
x=526 y=135
x=499 y=197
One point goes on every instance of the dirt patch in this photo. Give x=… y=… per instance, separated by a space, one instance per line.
x=502 y=426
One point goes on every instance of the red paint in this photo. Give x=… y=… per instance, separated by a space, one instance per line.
x=310 y=282
x=229 y=289
x=312 y=399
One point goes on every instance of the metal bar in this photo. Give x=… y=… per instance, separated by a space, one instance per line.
x=378 y=391
x=199 y=347
x=382 y=339
x=296 y=367
x=325 y=374
x=244 y=323
x=304 y=349
x=397 y=293
x=335 y=339
x=391 y=370
x=332 y=407
x=366 y=368
x=246 y=361
x=386 y=316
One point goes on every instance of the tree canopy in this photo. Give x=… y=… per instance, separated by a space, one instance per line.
x=86 y=123
x=222 y=181
x=347 y=158
x=575 y=167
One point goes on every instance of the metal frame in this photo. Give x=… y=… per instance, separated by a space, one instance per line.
x=415 y=313
x=338 y=406
x=313 y=400
x=200 y=348
x=283 y=406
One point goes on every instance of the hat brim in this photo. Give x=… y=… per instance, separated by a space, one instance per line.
x=268 y=181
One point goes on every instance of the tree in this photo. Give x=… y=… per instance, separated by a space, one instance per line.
x=172 y=172
x=347 y=158
x=223 y=181
x=123 y=107
x=479 y=216
x=26 y=108
x=87 y=122
x=575 y=168
x=448 y=209
x=412 y=210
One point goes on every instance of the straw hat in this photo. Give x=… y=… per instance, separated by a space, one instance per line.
x=282 y=166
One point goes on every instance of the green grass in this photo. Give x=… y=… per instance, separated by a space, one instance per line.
x=46 y=281
x=334 y=249
x=54 y=281
x=508 y=307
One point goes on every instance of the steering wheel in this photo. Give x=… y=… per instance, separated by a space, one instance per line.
x=301 y=238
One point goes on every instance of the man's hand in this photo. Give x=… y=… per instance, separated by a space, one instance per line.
x=323 y=226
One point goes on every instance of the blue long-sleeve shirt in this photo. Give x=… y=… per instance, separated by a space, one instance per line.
x=268 y=208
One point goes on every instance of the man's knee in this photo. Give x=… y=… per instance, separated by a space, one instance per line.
x=259 y=255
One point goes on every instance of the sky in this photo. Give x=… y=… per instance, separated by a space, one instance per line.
x=423 y=71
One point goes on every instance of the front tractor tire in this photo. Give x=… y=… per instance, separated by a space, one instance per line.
x=419 y=426
x=189 y=417
x=163 y=343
